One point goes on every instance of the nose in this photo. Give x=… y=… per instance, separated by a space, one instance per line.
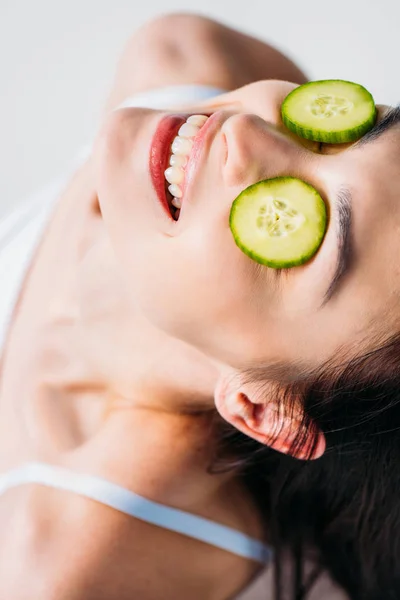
x=255 y=149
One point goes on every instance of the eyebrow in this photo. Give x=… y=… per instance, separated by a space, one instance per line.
x=344 y=212
x=344 y=203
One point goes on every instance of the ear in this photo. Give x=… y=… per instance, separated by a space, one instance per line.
x=267 y=421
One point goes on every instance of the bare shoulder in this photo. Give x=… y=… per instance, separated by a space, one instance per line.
x=183 y=48
x=58 y=545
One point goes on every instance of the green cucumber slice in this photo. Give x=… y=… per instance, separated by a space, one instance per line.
x=331 y=111
x=279 y=222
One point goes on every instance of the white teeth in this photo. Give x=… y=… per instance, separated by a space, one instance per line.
x=188 y=130
x=181 y=145
x=198 y=120
x=175 y=190
x=181 y=148
x=178 y=160
x=176 y=202
x=174 y=175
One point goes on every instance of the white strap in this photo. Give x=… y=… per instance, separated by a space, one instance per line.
x=171 y=95
x=132 y=504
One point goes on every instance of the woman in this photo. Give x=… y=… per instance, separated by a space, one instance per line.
x=149 y=365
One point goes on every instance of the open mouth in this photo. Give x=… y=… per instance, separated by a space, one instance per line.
x=177 y=158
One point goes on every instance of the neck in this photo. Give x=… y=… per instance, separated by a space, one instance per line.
x=103 y=382
x=163 y=456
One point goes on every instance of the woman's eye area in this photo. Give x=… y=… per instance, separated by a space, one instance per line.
x=331 y=111
x=279 y=222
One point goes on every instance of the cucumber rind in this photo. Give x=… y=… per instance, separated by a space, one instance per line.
x=332 y=136
x=279 y=263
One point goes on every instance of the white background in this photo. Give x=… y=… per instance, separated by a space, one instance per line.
x=57 y=59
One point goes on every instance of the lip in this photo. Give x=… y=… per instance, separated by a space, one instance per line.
x=159 y=154
x=200 y=146
x=160 y=150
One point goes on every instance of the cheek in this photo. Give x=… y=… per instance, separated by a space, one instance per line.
x=192 y=288
x=189 y=284
x=265 y=98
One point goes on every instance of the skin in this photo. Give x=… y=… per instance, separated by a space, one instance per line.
x=147 y=323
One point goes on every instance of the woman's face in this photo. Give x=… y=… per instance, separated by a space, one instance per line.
x=189 y=277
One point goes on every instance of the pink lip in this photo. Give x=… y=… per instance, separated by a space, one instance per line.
x=161 y=148
x=159 y=154
x=200 y=146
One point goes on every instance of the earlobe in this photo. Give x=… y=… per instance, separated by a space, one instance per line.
x=269 y=424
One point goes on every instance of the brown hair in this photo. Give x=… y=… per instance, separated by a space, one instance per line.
x=344 y=508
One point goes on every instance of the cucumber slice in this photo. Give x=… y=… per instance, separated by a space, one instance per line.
x=332 y=111
x=279 y=222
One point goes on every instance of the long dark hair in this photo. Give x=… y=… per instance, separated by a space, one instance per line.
x=343 y=509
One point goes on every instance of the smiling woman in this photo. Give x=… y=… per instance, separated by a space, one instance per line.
x=176 y=419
